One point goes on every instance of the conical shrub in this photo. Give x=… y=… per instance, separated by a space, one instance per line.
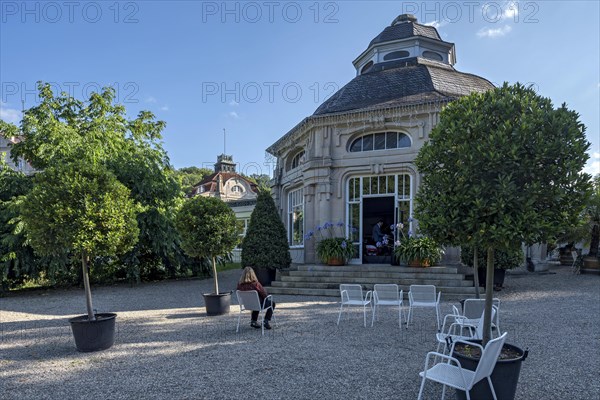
x=265 y=244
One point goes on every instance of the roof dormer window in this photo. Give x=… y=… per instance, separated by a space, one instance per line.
x=394 y=55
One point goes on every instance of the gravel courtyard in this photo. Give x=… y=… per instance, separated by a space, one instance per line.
x=167 y=348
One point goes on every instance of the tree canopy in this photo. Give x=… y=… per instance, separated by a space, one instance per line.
x=502 y=168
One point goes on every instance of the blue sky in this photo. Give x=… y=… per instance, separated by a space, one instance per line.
x=258 y=68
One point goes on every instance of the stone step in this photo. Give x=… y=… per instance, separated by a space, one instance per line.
x=376 y=268
x=448 y=293
x=310 y=281
x=374 y=274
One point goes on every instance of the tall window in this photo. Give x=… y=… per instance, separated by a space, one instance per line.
x=296 y=160
x=296 y=217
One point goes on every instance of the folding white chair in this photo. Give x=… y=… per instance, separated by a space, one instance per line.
x=451 y=373
x=249 y=300
x=352 y=296
x=387 y=295
x=423 y=296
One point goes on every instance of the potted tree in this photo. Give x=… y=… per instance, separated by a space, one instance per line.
x=265 y=247
x=503 y=260
x=498 y=166
x=208 y=229
x=418 y=251
x=591 y=262
x=82 y=210
x=333 y=247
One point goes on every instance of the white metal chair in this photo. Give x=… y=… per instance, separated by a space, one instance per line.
x=387 y=295
x=575 y=267
x=449 y=371
x=249 y=300
x=461 y=329
x=473 y=310
x=423 y=296
x=352 y=296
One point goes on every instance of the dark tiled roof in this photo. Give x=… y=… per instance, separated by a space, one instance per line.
x=405 y=30
x=416 y=80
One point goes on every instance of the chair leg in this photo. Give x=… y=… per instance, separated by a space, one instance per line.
x=262 y=325
x=340 y=315
x=373 y=316
x=443 y=392
x=492 y=387
x=238 y=324
x=437 y=316
x=421 y=389
x=409 y=316
x=365 y=316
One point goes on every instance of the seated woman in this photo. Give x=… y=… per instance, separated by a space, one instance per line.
x=248 y=281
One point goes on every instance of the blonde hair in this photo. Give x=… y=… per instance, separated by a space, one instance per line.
x=248 y=276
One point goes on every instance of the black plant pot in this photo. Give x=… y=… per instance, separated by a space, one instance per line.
x=499 y=275
x=504 y=377
x=265 y=275
x=94 y=335
x=217 y=304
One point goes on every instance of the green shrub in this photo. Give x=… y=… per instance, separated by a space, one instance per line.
x=265 y=244
x=502 y=259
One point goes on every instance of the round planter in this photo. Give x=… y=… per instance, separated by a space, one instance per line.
x=265 y=275
x=504 y=378
x=217 y=304
x=591 y=265
x=93 y=335
x=419 y=263
x=499 y=275
x=336 y=261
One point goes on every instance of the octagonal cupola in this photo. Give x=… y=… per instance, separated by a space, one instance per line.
x=404 y=39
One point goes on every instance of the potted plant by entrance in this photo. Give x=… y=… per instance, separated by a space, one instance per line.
x=265 y=247
x=333 y=247
x=418 y=251
x=82 y=210
x=208 y=229
x=503 y=260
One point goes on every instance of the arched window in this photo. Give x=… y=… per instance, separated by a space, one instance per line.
x=380 y=141
x=432 y=55
x=295 y=163
x=237 y=189
x=394 y=55
x=367 y=67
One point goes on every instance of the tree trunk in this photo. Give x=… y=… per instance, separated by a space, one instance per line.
x=86 y=285
x=215 y=278
x=489 y=295
x=476 y=274
x=594 y=241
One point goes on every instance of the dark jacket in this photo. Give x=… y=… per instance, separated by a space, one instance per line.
x=262 y=293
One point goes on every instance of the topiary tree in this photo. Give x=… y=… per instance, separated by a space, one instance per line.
x=502 y=167
x=81 y=210
x=208 y=229
x=265 y=244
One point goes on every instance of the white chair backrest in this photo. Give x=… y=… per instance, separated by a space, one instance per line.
x=488 y=359
x=353 y=292
x=473 y=308
x=249 y=299
x=423 y=293
x=479 y=330
x=386 y=292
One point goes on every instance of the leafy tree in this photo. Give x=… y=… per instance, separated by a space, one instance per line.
x=82 y=210
x=502 y=167
x=190 y=176
x=592 y=217
x=62 y=130
x=265 y=244
x=208 y=229
x=261 y=180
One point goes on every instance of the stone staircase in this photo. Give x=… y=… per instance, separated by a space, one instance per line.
x=323 y=280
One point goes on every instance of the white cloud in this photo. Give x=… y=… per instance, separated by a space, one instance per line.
x=234 y=103
x=494 y=33
x=234 y=115
x=593 y=165
x=510 y=10
x=436 y=24
x=165 y=108
x=150 y=100
x=9 y=114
